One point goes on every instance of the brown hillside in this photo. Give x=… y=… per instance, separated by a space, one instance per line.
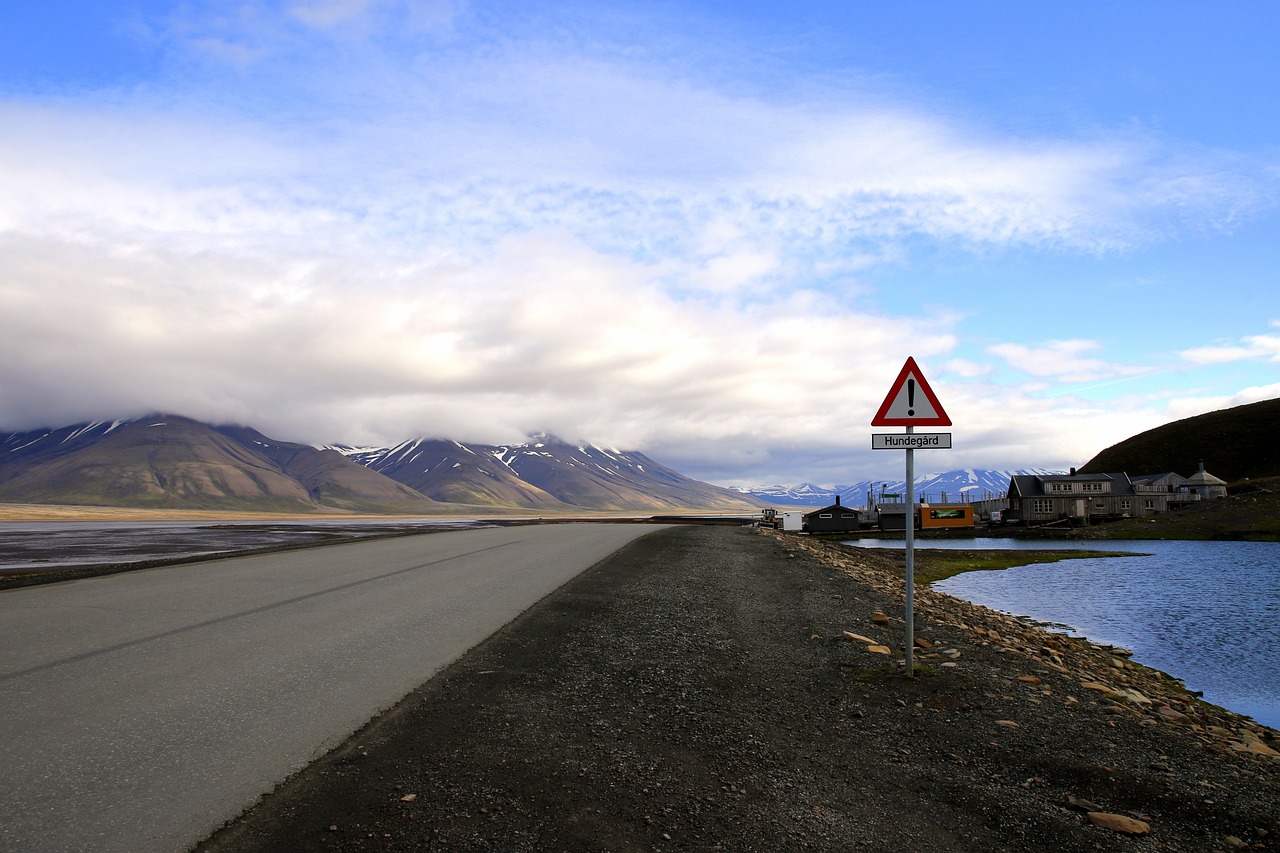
x=169 y=462
x=1234 y=444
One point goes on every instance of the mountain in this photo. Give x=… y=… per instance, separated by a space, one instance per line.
x=452 y=473
x=953 y=486
x=1233 y=443
x=171 y=462
x=545 y=473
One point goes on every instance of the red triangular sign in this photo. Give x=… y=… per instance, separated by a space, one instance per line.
x=911 y=402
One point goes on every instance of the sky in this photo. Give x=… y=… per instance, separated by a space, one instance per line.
x=709 y=231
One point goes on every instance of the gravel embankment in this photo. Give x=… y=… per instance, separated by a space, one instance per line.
x=701 y=690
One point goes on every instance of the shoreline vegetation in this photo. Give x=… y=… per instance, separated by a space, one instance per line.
x=937 y=564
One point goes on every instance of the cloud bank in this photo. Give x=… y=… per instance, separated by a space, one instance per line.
x=362 y=221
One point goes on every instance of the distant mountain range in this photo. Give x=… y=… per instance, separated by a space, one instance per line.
x=166 y=461
x=545 y=473
x=171 y=462
x=950 y=486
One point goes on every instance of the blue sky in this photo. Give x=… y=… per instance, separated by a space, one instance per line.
x=710 y=231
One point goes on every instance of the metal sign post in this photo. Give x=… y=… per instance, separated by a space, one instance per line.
x=911 y=557
x=911 y=403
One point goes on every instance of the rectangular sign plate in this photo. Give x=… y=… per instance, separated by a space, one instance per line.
x=915 y=441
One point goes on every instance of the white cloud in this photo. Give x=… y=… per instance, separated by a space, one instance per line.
x=325 y=14
x=1254 y=346
x=1066 y=361
x=1187 y=407
x=967 y=369
x=547 y=333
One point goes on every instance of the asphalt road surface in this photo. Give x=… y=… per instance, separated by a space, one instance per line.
x=140 y=711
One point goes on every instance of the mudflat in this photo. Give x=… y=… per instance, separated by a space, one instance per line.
x=711 y=688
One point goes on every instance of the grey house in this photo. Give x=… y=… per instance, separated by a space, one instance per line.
x=1084 y=498
x=1044 y=498
x=1205 y=485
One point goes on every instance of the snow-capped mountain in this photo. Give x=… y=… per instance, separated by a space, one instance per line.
x=171 y=462
x=949 y=486
x=175 y=462
x=542 y=473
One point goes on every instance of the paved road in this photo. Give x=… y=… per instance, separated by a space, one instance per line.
x=140 y=711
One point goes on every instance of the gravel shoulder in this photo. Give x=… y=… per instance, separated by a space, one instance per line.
x=713 y=688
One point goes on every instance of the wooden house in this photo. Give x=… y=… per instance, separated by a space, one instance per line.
x=833 y=519
x=1174 y=489
x=1205 y=485
x=1084 y=498
x=1169 y=483
x=1078 y=498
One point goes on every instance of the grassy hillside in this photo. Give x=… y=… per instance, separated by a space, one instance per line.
x=1235 y=444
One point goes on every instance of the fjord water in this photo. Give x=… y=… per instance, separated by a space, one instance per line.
x=1205 y=612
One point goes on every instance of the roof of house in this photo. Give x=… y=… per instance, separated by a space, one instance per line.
x=1032 y=485
x=1204 y=478
x=832 y=508
x=1150 y=479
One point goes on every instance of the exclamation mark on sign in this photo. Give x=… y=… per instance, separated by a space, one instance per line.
x=911 y=397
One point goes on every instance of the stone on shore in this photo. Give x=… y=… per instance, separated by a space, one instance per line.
x=1082 y=804
x=1119 y=823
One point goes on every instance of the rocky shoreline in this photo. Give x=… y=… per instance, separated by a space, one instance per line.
x=729 y=689
x=1126 y=687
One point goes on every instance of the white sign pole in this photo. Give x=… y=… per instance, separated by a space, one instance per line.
x=911 y=557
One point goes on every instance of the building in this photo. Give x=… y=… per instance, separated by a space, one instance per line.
x=833 y=519
x=1036 y=499
x=893 y=516
x=933 y=516
x=1174 y=488
x=1205 y=485
x=1086 y=498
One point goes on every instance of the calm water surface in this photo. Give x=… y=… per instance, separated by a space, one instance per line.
x=1205 y=612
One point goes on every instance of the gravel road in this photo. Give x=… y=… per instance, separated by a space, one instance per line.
x=700 y=690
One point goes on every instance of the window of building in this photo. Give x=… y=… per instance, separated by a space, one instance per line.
x=1042 y=506
x=1151 y=504
x=1124 y=504
x=825 y=515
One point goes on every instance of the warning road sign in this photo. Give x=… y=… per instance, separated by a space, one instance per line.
x=911 y=402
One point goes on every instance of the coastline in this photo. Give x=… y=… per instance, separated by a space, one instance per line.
x=1103 y=669
x=18 y=512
